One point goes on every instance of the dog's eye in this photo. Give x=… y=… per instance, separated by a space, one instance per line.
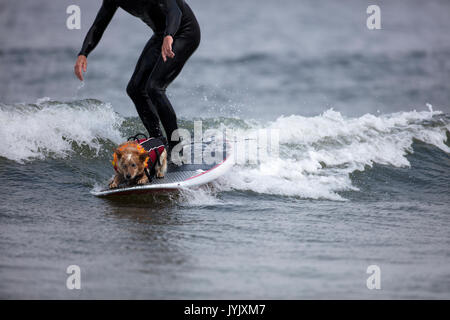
x=133 y=165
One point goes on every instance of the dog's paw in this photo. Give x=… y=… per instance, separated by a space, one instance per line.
x=113 y=185
x=159 y=175
x=143 y=180
x=115 y=182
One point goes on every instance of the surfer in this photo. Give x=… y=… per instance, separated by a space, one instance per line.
x=176 y=37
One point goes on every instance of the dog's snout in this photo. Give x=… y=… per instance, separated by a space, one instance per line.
x=128 y=176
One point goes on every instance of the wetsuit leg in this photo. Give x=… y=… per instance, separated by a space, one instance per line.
x=163 y=74
x=136 y=87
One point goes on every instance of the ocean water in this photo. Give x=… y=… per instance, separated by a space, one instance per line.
x=362 y=176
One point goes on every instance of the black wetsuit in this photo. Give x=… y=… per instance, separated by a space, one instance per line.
x=152 y=75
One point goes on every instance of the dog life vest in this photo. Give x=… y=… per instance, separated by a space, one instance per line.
x=153 y=146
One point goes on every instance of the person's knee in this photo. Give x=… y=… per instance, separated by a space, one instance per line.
x=154 y=89
x=134 y=91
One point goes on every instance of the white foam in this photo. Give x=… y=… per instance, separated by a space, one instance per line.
x=29 y=132
x=199 y=197
x=317 y=154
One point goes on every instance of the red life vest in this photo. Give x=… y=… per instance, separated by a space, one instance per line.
x=153 y=146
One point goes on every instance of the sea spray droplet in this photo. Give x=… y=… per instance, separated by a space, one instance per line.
x=42 y=101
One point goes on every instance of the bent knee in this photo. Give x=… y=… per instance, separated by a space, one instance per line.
x=133 y=90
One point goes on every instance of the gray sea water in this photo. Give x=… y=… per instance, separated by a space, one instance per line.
x=362 y=179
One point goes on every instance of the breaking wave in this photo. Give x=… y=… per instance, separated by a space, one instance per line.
x=316 y=154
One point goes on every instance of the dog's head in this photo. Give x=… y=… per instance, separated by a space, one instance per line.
x=130 y=160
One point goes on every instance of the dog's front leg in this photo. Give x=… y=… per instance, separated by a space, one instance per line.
x=115 y=182
x=160 y=170
x=143 y=180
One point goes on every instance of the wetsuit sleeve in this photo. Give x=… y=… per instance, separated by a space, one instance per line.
x=95 y=33
x=173 y=18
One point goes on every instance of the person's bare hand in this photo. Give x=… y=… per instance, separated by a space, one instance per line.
x=80 y=65
x=166 y=50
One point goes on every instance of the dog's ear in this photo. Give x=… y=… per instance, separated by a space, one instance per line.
x=119 y=153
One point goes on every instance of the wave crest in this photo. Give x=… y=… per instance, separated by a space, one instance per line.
x=49 y=128
x=317 y=154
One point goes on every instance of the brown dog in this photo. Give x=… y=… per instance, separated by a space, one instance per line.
x=131 y=161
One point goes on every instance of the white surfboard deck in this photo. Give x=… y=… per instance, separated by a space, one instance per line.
x=179 y=177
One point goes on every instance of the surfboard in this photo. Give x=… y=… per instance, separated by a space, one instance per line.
x=206 y=164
